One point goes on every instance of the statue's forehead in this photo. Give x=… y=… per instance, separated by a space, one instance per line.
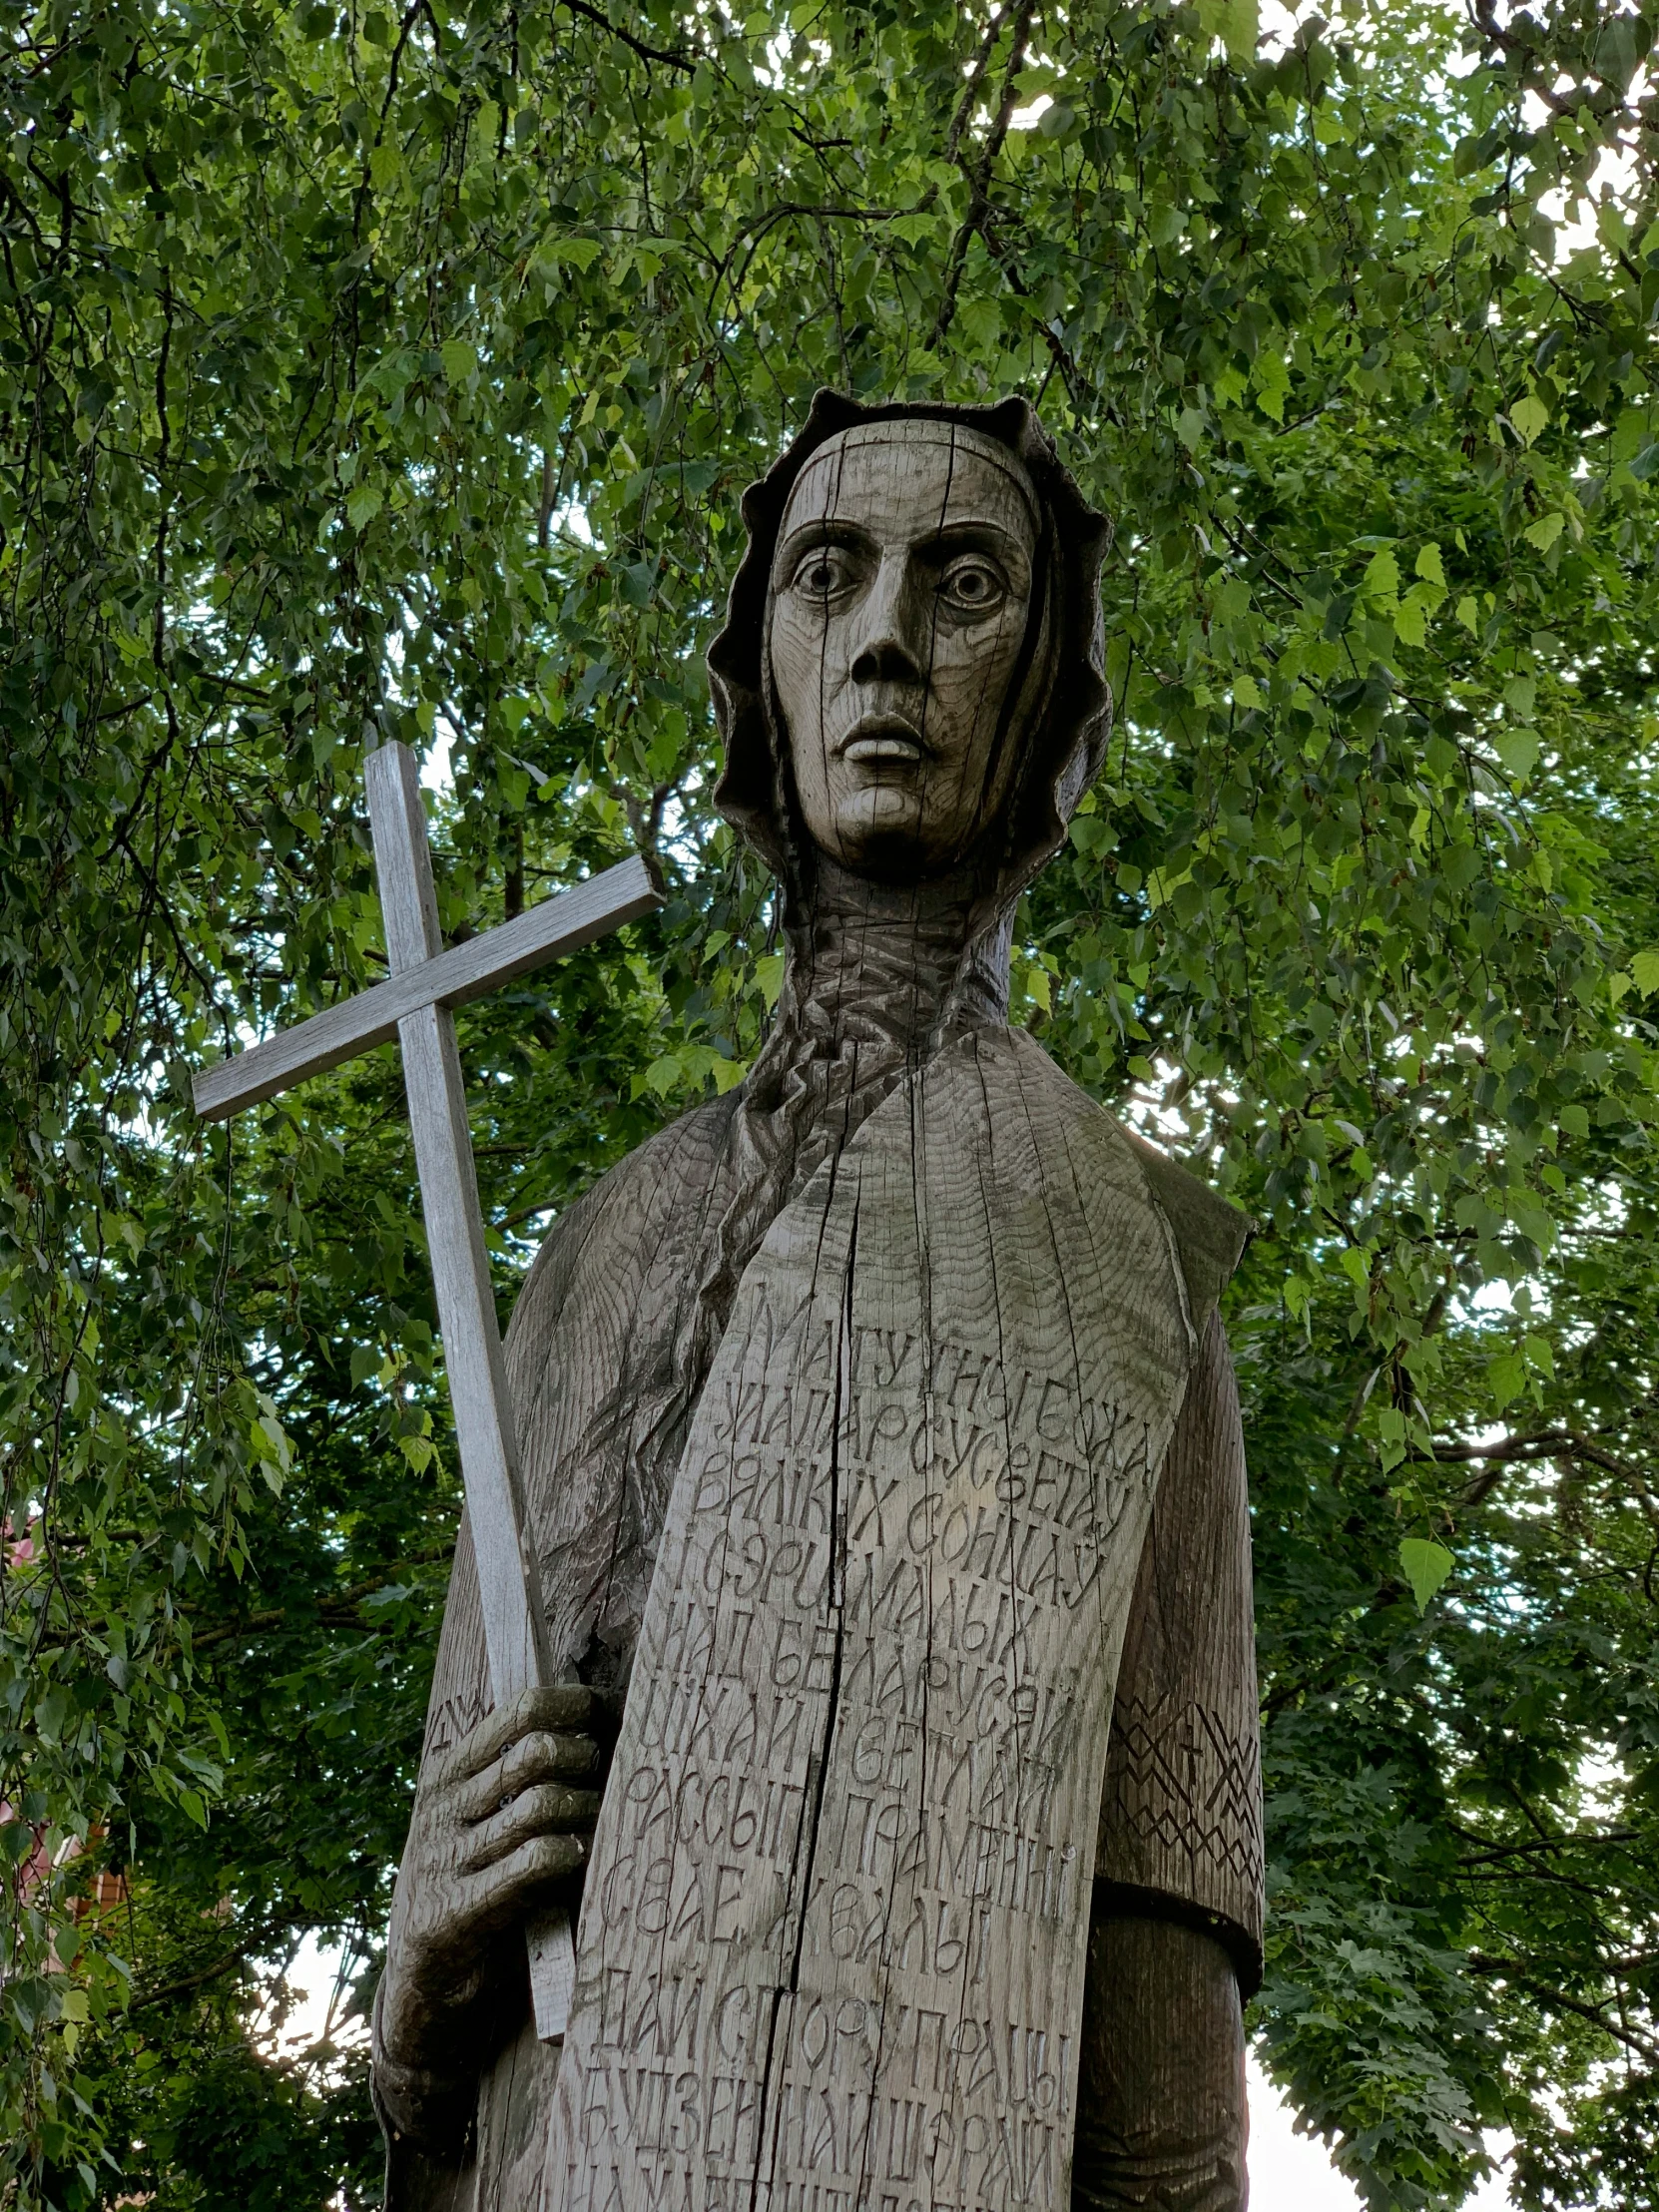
x=867 y=445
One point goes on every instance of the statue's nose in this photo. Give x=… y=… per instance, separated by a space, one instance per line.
x=890 y=651
x=887 y=660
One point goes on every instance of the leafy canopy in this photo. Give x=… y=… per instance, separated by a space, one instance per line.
x=377 y=374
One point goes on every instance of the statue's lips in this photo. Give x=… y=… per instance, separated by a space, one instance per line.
x=874 y=739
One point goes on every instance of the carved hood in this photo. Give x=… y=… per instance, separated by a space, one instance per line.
x=1064 y=709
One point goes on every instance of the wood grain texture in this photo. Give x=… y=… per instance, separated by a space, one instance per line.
x=509 y=1585
x=835 y=1928
x=1162 y=2115
x=847 y=1405
x=452 y=978
x=415 y=1004
x=587 y=1357
x=1181 y=1813
x=591 y=1343
x=589 y=1352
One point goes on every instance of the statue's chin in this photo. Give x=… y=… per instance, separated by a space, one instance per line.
x=882 y=831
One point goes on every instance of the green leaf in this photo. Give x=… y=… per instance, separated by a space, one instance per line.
x=363 y=505
x=460 y=361
x=1644 y=970
x=1426 y=1566
x=1235 y=23
x=1505 y=1379
x=1529 y=416
x=1382 y=577
x=1522 y=693
x=560 y=247
x=1519 y=750
x=1531 y=1218
x=1272 y=379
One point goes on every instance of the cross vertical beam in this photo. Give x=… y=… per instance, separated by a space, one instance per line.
x=509 y=1582
x=415 y=1003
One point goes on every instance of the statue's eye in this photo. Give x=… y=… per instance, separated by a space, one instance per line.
x=824 y=572
x=972 y=585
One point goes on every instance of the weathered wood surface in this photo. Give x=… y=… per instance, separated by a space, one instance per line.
x=553 y=927
x=1180 y=1815
x=413 y=1005
x=508 y=1581
x=507 y=1576
x=588 y=1355
x=834 y=1932
x=864 y=1543
x=1162 y=2115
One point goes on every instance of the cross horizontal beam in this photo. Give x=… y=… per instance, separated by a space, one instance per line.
x=453 y=978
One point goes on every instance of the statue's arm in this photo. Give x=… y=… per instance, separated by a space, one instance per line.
x=1175 y=1934
x=1161 y=2113
x=503 y=1810
x=505 y=1803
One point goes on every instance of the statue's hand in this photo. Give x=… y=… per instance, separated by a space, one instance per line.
x=501 y=1828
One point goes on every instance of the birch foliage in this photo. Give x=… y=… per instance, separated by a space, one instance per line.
x=377 y=374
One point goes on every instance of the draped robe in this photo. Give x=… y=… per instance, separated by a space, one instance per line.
x=1116 y=1315
x=879 y=1442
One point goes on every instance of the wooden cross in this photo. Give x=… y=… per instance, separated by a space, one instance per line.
x=415 y=1005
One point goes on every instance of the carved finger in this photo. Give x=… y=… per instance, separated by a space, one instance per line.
x=500 y=1894
x=548 y=1809
x=565 y=1706
x=538 y=1757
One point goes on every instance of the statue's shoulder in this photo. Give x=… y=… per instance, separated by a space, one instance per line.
x=1210 y=1231
x=616 y=1227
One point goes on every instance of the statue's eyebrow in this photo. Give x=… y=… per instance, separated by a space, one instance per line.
x=937 y=537
x=845 y=526
x=820 y=530
x=959 y=527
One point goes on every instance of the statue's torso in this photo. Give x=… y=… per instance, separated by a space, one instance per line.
x=604 y=1426
x=602 y=1431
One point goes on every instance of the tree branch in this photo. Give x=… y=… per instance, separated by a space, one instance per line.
x=669 y=58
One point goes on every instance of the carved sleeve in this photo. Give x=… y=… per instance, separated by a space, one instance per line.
x=1181 y=1813
x=1162 y=2115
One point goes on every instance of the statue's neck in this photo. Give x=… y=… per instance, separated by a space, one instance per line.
x=877 y=978
x=889 y=969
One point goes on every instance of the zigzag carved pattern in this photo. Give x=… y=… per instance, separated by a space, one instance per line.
x=1184 y=1778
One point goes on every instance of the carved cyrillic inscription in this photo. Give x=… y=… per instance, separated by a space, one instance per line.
x=833 y=1941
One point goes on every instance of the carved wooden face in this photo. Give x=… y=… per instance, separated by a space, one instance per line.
x=901 y=594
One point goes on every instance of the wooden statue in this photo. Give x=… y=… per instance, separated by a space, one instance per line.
x=883 y=1471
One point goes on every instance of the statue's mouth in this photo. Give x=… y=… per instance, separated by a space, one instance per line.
x=878 y=737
